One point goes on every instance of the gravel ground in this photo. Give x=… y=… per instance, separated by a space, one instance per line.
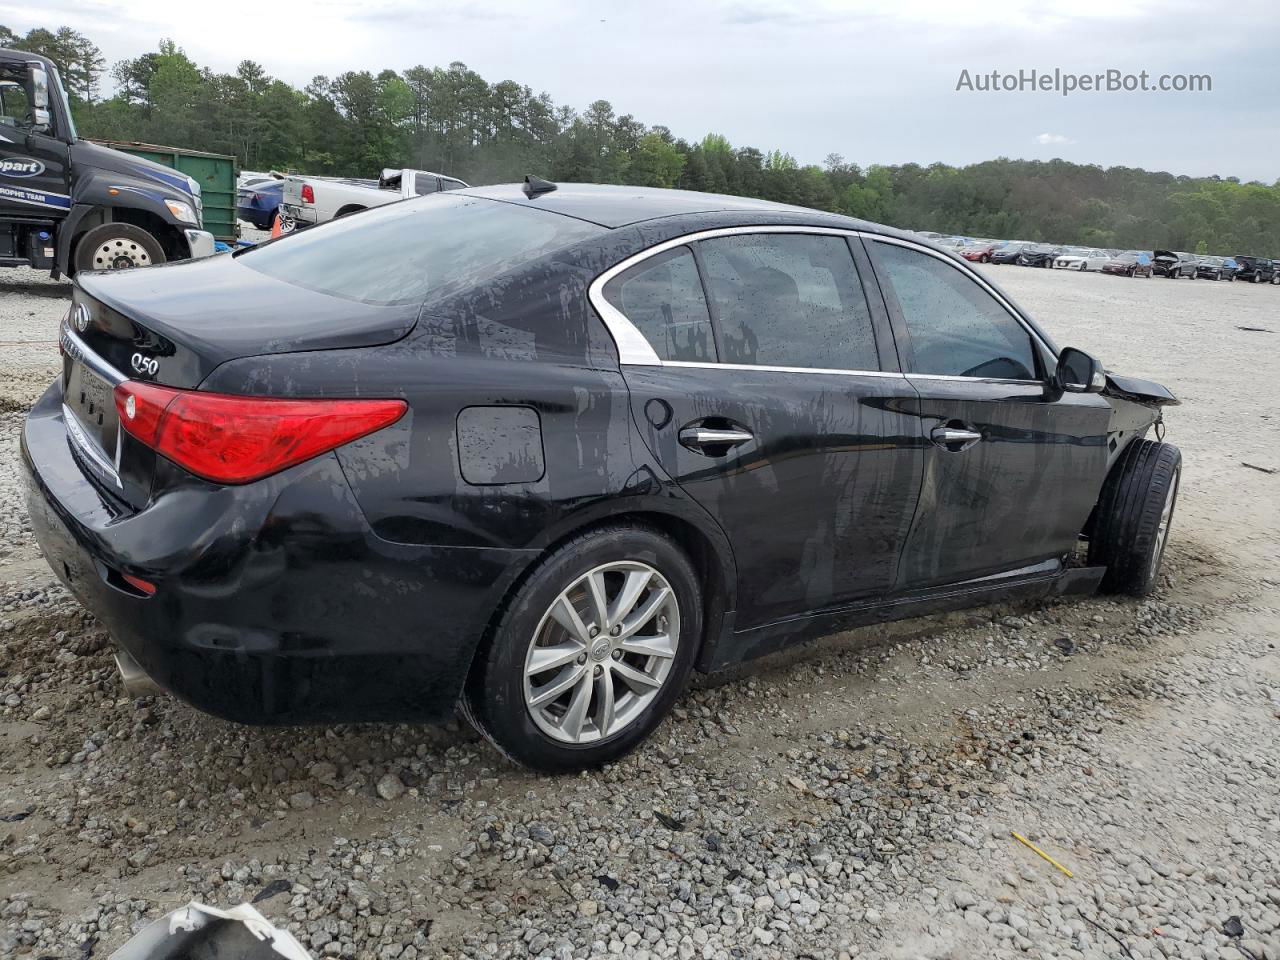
x=855 y=799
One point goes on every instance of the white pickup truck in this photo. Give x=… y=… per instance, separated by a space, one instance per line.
x=307 y=201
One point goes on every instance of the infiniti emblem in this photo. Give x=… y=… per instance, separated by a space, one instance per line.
x=144 y=364
x=82 y=317
x=600 y=651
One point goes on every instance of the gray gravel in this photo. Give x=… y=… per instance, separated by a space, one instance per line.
x=857 y=800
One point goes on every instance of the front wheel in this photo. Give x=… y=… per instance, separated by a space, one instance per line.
x=1134 y=514
x=591 y=652
x=117 y=246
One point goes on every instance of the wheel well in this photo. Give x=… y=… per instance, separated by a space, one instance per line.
x=167 y=235
x=701 y=551
x=349 y=208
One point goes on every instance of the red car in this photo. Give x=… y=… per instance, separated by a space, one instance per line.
x=979 y=252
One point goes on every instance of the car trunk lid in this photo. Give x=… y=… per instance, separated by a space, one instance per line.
x=173 y=325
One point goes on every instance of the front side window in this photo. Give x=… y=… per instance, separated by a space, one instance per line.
x=15 y=103
x=956 y=328
x=789 y=300
x=662 y=297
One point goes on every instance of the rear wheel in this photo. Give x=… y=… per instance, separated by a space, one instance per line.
x=591 y=653
x=117 y=246
x=1133 y=517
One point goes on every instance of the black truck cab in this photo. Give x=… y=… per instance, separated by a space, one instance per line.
x=67 y=204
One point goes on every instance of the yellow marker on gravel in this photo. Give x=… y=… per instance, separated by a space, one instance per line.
x=1027 y=843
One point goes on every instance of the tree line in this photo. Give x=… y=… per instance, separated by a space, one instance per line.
x=452 y=120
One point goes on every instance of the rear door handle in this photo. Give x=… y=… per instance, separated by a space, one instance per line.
x=707 y=439
x=954 y=439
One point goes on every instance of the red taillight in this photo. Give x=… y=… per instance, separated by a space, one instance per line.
x=308 y=195
x=233 y=439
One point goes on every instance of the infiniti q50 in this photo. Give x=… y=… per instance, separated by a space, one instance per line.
x=544 y=451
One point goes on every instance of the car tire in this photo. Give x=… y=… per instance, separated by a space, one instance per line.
x=1133 y=516
x=501 y=691
x=117 y=246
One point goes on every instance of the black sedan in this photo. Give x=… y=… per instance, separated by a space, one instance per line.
x=548 y=451
x=1038 y=255
x=1215 y=268
x=1131 y=263
x=1008 y=252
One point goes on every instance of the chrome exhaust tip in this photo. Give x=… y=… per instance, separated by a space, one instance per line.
x=134 y=679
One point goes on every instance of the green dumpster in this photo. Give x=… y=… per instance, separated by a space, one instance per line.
x=215 y=172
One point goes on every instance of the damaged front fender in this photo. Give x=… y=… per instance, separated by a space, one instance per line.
x=1139 y=390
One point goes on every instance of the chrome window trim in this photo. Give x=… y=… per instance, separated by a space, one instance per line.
x=952 y=376
x=634 y=350
x=708 y=365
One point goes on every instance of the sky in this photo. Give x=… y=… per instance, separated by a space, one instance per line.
x=874 y=82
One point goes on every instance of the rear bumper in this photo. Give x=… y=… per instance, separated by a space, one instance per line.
x=275 y=602
x=303 y=215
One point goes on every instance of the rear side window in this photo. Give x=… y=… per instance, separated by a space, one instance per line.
x=662 y=296
x=404 y=252
x=956 y=328
x=789 y=300
x=422 y=185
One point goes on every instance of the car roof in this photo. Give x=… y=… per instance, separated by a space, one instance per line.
x=618 y=206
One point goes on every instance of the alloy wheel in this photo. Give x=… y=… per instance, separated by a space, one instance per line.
x=602 y=652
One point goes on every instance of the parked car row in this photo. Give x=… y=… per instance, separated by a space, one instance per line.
x=1129 y=263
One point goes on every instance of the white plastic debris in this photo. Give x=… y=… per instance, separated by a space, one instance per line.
x=198 y=932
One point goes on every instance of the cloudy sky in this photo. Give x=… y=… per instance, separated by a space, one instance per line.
x=875 y=82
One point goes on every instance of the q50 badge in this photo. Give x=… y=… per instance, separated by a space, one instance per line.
x=141 y=363
x=20 y=167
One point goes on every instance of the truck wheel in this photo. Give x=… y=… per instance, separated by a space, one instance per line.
x=117 y=246
x=1134 y=513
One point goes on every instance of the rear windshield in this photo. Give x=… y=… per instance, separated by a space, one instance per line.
x=405 y=251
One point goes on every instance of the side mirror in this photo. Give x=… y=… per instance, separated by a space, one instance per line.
x=39 y=87
x=1078 y=372
x=40 y=97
